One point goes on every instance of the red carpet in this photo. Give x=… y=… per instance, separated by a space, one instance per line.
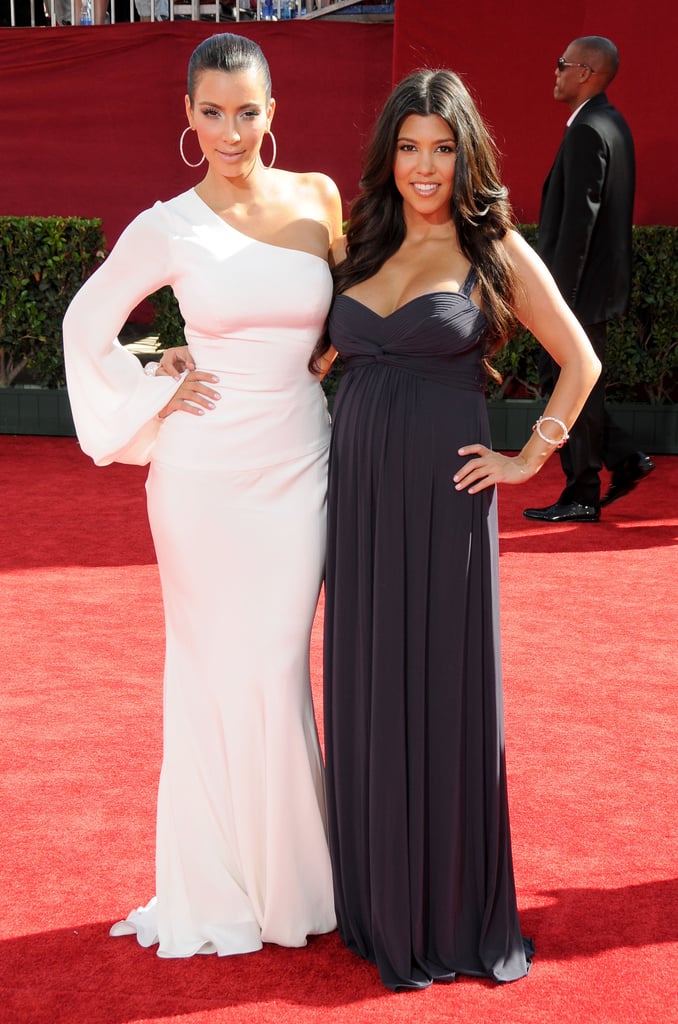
x=589 y=625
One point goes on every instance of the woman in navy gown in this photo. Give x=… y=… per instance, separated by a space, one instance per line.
x=428 y=283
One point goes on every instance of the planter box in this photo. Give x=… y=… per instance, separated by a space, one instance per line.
x=511 y=421
x=654 y=428
x=31 y=410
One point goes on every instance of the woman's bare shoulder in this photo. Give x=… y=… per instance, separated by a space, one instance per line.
x=306 y=184
x=313 y=190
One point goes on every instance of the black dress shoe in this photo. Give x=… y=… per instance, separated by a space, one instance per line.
x=572 y=512
x=627 y=475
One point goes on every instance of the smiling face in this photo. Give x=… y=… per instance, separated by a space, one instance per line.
x=423 y=168
x=230 y=115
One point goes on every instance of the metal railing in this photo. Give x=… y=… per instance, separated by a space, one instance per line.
x=68 y=12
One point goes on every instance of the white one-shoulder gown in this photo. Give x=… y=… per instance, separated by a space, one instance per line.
x=236 y=501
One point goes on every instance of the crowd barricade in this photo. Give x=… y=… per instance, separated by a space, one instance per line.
x=38 y=13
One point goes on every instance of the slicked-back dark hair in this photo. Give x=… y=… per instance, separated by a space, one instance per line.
x=227 y=51
x=480 y=208
x=603 y=54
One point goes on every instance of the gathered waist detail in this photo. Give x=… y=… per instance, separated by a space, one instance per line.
x=466 y=378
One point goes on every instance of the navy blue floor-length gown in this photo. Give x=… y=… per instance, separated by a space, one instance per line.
x=418 y=814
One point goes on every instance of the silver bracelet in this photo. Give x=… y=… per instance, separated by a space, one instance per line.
x=561 y=441
x=150 y=369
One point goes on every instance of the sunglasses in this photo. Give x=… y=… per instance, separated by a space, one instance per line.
x=562 y=63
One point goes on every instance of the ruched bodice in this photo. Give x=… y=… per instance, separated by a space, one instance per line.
x=436 y=335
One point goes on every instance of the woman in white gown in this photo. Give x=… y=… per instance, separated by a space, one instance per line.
x=236 y=500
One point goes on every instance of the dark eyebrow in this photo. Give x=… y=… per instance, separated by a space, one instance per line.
x=437 y=142
x=243 y=106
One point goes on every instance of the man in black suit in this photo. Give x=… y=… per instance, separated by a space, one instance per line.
x=585 y=240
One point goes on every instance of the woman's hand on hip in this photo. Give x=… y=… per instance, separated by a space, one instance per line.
x=175 y=361
x=193 y=395
x=490 y=468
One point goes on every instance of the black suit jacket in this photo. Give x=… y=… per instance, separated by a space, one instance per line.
x=587 y=213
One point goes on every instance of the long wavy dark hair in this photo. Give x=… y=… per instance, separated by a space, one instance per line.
x=480 y=208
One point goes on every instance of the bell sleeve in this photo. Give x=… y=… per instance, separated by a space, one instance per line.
x=114 y=403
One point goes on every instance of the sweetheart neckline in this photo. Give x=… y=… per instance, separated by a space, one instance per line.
x=424 y=295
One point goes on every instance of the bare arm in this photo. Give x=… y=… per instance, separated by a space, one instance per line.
x=332 y=201
x=336 y=255
x=541 y=308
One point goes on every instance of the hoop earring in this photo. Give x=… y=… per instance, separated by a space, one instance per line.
x=181 y=150
x=275 y=150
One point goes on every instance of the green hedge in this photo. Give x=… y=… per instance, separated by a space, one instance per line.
x=168 y=323
x=43 y=262
x=641 y=364
x=642 y=356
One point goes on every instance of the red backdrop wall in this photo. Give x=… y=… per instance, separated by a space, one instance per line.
x=90 y=119
x=506 y=51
